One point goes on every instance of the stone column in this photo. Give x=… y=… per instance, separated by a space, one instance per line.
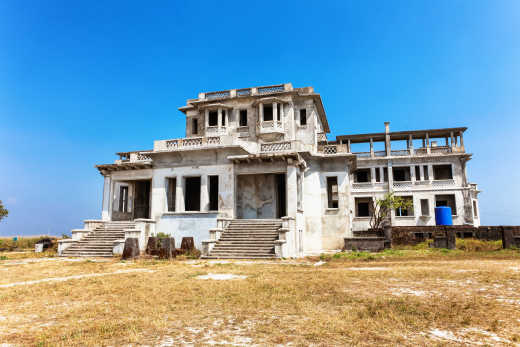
x=105 y=210
x=292 y=189
x=158 y=193
x=219 y=121
x=204 y=194
x=111 y=199
x=206 y=118
x=373 y=175
x=430 y=172
x=461 y=140
x=348 y=146
x=452 y=140
x=410 y=144
x=421 y=172
x=275 y=113
x=179 y=194
x=260 y=112
x=390 y=177
x=428 y=150
x=381 y=174
x=388 y=145
x=412 y=174
x=371 y=147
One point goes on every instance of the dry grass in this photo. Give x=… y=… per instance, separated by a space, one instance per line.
x=22 y=242
x=395 y=299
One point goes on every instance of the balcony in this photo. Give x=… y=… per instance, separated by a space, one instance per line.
x=270 y=128
x=404 y=185
x=133 y=157
x=191 y=143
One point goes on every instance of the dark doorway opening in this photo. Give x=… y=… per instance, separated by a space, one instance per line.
x=192 y=194
x=142 y=199
x=281 y=201
x=213 y=193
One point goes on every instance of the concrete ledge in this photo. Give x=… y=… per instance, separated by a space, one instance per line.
x=78 y=234
x=370 y=244
x=278 y=248
x=64 y=244
x=207 y=246
x=118 y=247
x=214 y=234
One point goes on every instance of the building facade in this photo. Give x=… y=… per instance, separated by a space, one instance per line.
x=262 y=153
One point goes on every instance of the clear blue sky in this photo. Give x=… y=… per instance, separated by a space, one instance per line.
x=80 y=81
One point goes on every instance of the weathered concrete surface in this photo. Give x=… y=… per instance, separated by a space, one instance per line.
x=256 y=196
x=131 y=249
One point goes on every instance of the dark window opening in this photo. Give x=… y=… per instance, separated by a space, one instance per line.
x=362 y=175
x=213 y=118
x=268 y=113
x=378 y=175
x=123 y=199
x=213 y=193
x=363 y=207
x=303 y=116
x=224 y=113
x=171 y=194
x=281 y=201
x=243 y=118
x=192 y=194
x=195 y=126
x=404 y=212
x=446 y=200
x=385 y=174
x=475 y=212
x=426 y=173
x=417 y=173
x=278 y=111
x=425 y=207
x=332 y=192
x=442 y=172
x=401 y=173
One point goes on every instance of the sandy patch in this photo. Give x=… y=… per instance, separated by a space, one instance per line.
x=67 y=278
x=221 y=277
x=320 y=263
x=408 y=291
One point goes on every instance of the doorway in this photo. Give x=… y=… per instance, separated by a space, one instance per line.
x=142 y=199
x=261 y=196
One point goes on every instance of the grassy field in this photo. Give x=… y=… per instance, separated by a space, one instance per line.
x=22 y=242
x=414 y=296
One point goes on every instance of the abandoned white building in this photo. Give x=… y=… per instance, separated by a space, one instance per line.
x=255 y=176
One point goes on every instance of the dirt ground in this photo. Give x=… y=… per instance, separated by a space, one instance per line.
x=393 y=299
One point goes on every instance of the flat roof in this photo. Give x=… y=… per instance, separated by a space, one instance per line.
x=402 y=135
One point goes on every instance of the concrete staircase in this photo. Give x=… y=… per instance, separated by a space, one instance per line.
x=247 y=239
x=99 y=242
x=368 y=240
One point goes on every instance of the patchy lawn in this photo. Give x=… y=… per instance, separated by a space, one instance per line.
x=398 y=297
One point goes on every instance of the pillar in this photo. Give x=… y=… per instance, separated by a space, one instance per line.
x=430 y=172
x=292 y=189
x=412 y=174
x=371 y=147
x=381 y=174
x=204 y=193
x=428 y=150
x=452 y=139
x=179 y=194
x=410 y=144
x=373 y=175
x=105 y=210
x=275 y=113
x=261 y=112
x=421 y=172
x=158 y=201
x=219 y=121
x=388 y=148
x=206 y=117
x=461 y=140
x=348 y=146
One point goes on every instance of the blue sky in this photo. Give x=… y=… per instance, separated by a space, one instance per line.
x=80 y=81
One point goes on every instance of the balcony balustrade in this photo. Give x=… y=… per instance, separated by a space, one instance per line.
x=188 y=143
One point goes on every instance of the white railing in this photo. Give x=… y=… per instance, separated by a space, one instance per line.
x=271 y=89
x=137 y=156
x=194 y=142
x=361 y=185
x=218 y=95
x=275 y=147
x=443 y=183
x=442 y=149
x=244 y=92
x=330 y=149
x=402 y=184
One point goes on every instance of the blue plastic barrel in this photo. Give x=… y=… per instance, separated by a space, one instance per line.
x=443 y=215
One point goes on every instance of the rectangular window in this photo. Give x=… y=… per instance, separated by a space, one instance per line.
x=385 y=174
x=425 y=207
x=405 y=212
x=401 y=173
x=362 y=175
x=195 y=126
x=303 y=116
x=426 y=173
x=475 y=212
x=192 y=194
x=363 y=208
x=332 y=192
x=171 y=194
x=378 y=175
x=243 y=118
x=268 y=112
x=417 y=173
x=278 y=111
x=213 y=193
x=442 y=172
x=123 y=199
x=446 y=200
x=213 y=118
x=224 y=114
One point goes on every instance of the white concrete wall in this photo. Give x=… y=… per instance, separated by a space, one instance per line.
x=181 y=225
